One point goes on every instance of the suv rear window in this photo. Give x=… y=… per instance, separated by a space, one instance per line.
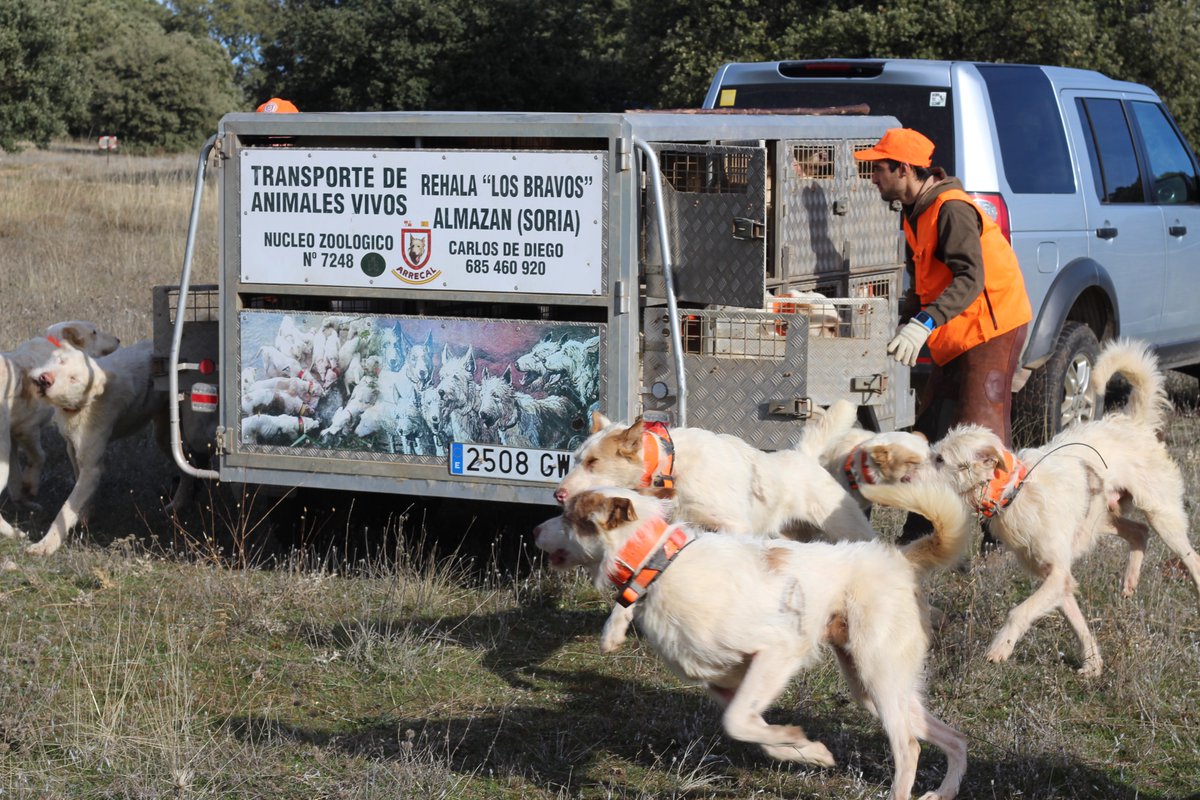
x=928 y=109
x=1033 y=144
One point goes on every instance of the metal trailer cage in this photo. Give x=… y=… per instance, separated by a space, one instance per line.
x=434 y=303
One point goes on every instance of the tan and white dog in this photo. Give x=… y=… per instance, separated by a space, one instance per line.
x=855 y=456
x=23 y=415
x=744 y=615
x=720 y=482
x=1050 y=504
x=96 y=400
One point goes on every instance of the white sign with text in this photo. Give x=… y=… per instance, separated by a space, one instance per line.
x=498 y=221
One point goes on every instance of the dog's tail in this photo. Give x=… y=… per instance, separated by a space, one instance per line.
x=1135 y=361
x=938 y=502
x=823 y=431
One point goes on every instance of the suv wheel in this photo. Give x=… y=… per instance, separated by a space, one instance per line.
x=1060 y=391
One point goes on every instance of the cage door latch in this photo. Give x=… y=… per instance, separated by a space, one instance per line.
x=748 y=229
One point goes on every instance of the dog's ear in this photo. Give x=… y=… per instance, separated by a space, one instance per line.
x=990 y=456
x=620 y=512
x=599 y=422
x=629 y=443
x=72 y=334
x=881 y=454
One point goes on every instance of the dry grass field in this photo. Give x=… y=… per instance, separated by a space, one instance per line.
x=146 y=661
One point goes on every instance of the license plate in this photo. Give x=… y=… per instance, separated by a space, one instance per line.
x=512 y=463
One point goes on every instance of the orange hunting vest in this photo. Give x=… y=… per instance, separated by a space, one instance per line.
x=1002 y=306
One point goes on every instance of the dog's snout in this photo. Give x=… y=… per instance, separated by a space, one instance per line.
x=560 y=495
x=45 y=380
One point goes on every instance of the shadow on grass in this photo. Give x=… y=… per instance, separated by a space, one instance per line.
x=576 y=728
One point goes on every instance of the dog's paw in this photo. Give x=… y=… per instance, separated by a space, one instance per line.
x=808 y=753
x=611 y=643
x=937 y=796
x=1000 y=650
x=1092 y=668
x=7 y=531
x=46 y=547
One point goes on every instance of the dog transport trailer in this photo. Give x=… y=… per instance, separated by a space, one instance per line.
x=434 y=303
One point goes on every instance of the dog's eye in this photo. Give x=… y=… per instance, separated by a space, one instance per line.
x=590 y=462
x=939 y=460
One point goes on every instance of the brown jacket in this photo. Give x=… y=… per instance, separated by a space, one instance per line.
x=958 y=248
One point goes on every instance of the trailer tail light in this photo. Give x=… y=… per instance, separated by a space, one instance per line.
x=207 y=366
x=994 y=206
x=204 y=398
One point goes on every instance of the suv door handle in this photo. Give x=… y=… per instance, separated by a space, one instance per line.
x=1106 y=233
x=1177 y=230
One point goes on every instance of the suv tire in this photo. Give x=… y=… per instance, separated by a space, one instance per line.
x=1059 y=392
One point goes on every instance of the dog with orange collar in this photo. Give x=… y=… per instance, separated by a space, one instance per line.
x=720 y=482
x=743 y=615
x=1050 y=504
x=855 y=456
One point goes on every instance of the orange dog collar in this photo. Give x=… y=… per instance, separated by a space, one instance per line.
x=861 y=474
x=658 y=456
x=643 y=559
x=1003 y=487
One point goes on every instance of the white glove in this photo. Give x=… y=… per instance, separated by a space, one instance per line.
x=907 y=343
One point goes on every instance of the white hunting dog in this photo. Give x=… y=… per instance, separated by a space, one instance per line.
x=720 y=481
x=744 y=615
x=96 y=400
x=23 y=415
x=1050 y=504
x=855 y=456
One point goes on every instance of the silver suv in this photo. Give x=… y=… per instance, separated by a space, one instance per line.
x=1090 y=177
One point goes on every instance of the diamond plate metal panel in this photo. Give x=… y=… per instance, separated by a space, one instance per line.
x=705 y=189
x=872 y=226
x=830 y=218
x=738 y=362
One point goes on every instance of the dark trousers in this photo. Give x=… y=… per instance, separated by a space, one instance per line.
x=974 y=387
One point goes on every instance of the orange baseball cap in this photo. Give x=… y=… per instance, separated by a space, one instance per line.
x=277 y=105
x=900 y=144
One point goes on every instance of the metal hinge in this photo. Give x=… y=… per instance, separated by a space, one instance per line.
x=794 y=407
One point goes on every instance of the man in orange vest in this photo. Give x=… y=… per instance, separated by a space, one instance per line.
x=967 y=299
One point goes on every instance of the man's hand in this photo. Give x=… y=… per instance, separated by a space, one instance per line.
x=908 y=342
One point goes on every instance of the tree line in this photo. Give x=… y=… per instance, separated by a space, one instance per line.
x=160 y=73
